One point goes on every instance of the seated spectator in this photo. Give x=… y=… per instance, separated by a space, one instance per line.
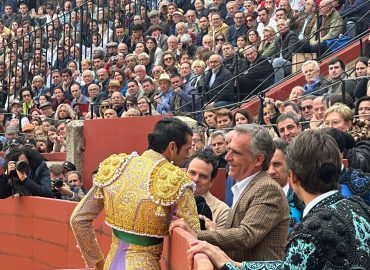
x=307 y=108
x=219 y=147
x=288 y=126
x=242 y=117
x=361 y=70
x=65 y=112
x=341 y=117
x=265 y=20
x=331 y=26
x=314 y=82
x=165 y=96
x=202 y=170
x=41 y=144
x=362 y=108
x=210 y=120
x=258 y=76
x=269 y=36
x=146 y=107
x=282 y=51
x=224 y=119
x=217 y=85
x=27 y=178
x=237 y=29
x=181 y=102
x=337 y=73
x=319 y=108
x=110 y=114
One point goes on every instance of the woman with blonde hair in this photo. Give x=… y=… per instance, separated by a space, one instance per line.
x=64 y=112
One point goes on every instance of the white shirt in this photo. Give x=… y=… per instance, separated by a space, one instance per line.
x=318 y=199
x=239 y=187
x=286 y=189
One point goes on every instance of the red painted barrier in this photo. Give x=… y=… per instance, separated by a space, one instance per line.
x=104 y=137
x=35 y=235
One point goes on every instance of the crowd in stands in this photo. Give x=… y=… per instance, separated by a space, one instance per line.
x=110 y=59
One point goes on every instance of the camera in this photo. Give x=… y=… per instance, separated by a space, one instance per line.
x=22 y=166
x=184 y=46
x=114 y=59
x=58 y=183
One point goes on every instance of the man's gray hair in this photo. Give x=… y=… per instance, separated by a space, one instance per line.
x=261 y=142
x=218 y=133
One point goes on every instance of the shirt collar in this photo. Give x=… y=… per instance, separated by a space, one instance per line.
x=240 y=186
x=318 y=199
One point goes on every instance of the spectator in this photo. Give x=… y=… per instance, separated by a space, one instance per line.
x=337 y=74
x=258 y=76
x=217 y=75
x=331 y=27
x=219 y=147
x=242 y=117
x=282 y=50
x=267 y=220
x=31 y=178
x=202 y=170
x=306 y=161
x=288 y=126
x=314 y=82
x=238 y=28
x=224 y=119
x=265 y=20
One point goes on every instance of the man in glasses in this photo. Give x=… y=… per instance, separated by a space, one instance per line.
x=307 y=107
x=237 y=29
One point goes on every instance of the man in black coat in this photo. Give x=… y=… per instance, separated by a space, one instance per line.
x=282 y=50
x=258 y=75
x=212 y=85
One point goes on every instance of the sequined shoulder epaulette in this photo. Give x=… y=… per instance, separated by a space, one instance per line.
x=357 y=181
x=110 y=170
x=167 y=183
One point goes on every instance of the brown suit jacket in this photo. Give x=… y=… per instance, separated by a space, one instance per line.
x=257 y=226
x=308 y=30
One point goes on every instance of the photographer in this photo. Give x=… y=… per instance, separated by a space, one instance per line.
x=26 y=174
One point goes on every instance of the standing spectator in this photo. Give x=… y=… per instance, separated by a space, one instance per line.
x=259 y=202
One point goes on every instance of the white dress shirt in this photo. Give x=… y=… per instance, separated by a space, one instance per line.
x=239 y=187
x=318 y=199
x=286 y=189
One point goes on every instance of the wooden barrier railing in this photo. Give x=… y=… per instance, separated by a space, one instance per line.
x=35 y=235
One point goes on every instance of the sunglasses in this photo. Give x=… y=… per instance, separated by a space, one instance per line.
x=169 y=58
x=308 y=107
x=129 y=104
x=220 y=39
x=26 y=95
x=104 y=106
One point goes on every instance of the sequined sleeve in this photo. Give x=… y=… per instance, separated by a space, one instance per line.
x=81 y=222
x=187 y=209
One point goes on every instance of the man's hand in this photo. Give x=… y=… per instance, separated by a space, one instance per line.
x=180 y=222
x=214 y=253
x=209 y=224
x=66 y=191
x=177 y=90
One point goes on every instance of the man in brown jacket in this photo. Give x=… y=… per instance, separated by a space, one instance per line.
x=257 y=225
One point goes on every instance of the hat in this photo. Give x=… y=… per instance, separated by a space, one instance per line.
x=28 y=128
x=153 y=13
x=30 y=142
x=69 y=166
x=114 y=83
x=155 y=27
x=45 y=105
x=16 y=102
x=11 y=130
x=164 y=77
x=177 y=13
x=111 y=44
